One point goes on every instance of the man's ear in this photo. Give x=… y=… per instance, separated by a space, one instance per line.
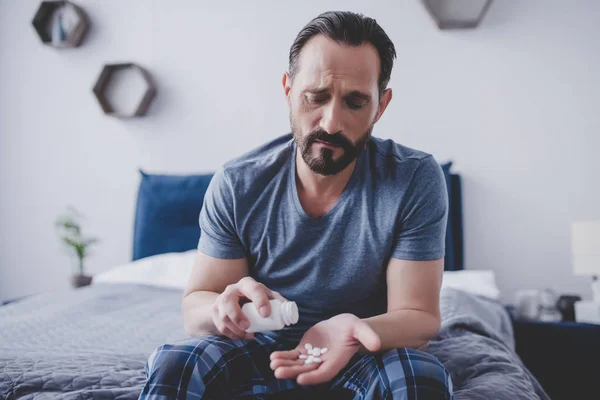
x=286 y=81
x=385 y=99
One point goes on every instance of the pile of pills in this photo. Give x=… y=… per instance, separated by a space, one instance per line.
x=314 y=354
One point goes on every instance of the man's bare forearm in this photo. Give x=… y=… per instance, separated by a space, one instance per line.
x=197 y=308
x=403 y=328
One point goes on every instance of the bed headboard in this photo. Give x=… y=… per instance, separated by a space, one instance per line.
x=168 y=206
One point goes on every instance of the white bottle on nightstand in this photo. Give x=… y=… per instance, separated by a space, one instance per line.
x=585 y=243
x=283 y=313
x=587 y=312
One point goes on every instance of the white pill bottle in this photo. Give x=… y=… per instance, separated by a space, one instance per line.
x=283 y=313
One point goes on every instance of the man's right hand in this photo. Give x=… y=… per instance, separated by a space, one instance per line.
x=227 y=312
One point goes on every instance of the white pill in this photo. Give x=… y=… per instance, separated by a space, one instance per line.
x=306 y=362
x=314 y=353
x=311 y=358
x=308 y=346
x=303 y=356
x=324 y=350
x=317 y=350
x=317 y=360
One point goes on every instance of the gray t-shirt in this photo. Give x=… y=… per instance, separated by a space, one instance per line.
x=394 y=205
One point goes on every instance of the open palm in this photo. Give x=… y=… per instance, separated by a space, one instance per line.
x=342 y=335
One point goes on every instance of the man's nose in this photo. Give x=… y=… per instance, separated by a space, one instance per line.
x=331 y=121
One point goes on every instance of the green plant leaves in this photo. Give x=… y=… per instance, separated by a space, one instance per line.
x=70 y=232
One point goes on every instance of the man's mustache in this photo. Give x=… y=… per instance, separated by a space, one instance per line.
x=336 y=139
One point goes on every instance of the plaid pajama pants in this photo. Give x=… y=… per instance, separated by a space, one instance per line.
x=215 y=367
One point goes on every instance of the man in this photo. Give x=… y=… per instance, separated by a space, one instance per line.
x=348 y=226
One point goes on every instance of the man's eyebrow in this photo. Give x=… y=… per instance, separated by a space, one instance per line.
x=360 y=95
x=317 y=90
x=354 y=93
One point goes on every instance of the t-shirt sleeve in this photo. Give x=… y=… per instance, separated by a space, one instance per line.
x=421 y=233
x=218 y=234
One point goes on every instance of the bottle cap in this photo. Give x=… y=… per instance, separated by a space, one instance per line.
x=290 y=312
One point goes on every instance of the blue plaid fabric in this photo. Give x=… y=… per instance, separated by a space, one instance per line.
x=215 y=367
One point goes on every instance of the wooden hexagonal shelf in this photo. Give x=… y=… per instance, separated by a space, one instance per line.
x=60 y=23
x=457 y=14
x=124 y=90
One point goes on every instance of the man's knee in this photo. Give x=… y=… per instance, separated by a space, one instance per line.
x=413 y=374
x=173 y=367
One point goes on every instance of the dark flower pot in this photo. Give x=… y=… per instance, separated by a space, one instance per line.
x=78 y=281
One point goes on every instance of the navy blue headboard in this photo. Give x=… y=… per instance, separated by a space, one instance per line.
x=168 y=206
x=454 y=259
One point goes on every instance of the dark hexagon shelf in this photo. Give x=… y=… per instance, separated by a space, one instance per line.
x=111 y=81
x=60 y=23
x=457 y=14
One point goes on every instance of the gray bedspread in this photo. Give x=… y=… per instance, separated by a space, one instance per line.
x=476 y=345
x=93 y=343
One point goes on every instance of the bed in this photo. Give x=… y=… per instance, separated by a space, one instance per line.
x=93 y=342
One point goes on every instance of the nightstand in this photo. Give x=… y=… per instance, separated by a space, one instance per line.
x=563 y=356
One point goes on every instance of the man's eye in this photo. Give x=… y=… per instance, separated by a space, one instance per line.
x=317 y=99
x=355 y=105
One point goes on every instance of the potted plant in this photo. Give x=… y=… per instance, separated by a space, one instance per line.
x=69 y=226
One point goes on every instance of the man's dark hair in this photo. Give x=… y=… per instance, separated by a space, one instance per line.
x=350 y=29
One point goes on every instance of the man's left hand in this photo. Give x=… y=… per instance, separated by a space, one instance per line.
x=342 y=335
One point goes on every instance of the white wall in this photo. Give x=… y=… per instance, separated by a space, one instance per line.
x=513 y=103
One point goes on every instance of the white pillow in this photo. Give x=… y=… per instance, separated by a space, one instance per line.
x=479 y=282
x=165 y=270
x=172 y=270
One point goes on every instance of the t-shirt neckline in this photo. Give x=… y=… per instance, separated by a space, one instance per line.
x=340 y=201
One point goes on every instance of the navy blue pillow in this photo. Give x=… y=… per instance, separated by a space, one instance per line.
x=166 y=218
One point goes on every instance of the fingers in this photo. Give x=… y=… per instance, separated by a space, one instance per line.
x=283 y=362
x=237 y=336
x=227 y=312
x=231 y=310
x=286 y=355
x=227 y=330
x=275 y=295
x=293 y=371
x=226 y=309
x=234 y=328
x=256 y=293
x=228 y=317
x=367 y=336
x=324 y=373
x=230 y=334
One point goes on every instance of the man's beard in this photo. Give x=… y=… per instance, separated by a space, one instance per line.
x=324 y=164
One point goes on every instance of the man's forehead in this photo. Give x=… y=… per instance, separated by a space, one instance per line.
x=323 y=60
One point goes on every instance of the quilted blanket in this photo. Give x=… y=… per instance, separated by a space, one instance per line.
x=93 y=343
x=90 y=343
x=477 y=347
